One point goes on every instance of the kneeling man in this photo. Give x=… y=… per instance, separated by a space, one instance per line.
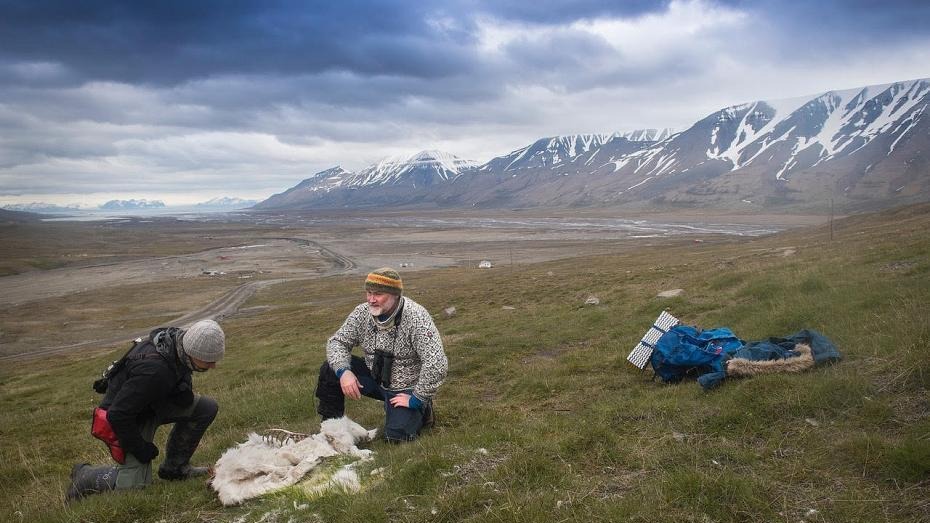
x=403 y=365
x=153 y=387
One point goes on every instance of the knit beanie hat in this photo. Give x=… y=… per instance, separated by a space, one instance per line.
x=205 y=341
x=386 y=280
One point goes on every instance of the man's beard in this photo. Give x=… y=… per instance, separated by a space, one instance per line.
x=386 y=308
x=375 y=310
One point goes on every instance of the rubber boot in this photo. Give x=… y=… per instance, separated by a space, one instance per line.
x=183 y=441
x=429 y=418
x=87 y=480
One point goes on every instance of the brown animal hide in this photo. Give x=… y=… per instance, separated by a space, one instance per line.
x=742 y=368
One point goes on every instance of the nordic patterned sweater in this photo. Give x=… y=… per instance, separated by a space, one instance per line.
x=419 y=360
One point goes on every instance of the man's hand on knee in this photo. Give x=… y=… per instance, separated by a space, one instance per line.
x=351 y=388
x=401 y=400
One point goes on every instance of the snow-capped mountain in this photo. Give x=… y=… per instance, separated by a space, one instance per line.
x=859 y=144
x=424 y=169
x=549 y=152
x=570 y=152
x=392 y=181
x=118 y=205
x=307 y=190
x=864 y=148
x=324 y=180
x=226 y=202
x=795 y=134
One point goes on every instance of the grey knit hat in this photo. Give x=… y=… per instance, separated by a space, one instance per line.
x=205 y=341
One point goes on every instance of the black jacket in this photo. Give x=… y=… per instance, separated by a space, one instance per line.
x=153 y=374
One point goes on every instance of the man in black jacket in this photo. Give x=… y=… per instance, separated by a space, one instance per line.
x=154 y=388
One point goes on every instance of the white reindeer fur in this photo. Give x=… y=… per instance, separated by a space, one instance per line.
x=256 y=467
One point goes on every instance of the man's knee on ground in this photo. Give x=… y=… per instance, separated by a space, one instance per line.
x=399 y=428
x=393 y=435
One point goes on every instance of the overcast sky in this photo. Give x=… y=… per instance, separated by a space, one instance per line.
x=188 y=100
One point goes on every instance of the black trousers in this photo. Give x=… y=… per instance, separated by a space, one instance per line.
x=400 y=423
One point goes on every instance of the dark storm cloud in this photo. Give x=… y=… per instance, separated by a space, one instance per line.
x=96 y=94
x=844 y=18
x=838 y=26
x=558 y=12
x=169 y=42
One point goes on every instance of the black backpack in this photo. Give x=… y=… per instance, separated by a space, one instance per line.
x=101 y=384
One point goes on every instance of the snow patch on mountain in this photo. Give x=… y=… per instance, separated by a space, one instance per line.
x=324 y=181
x=424 y=168
x=835 y=123
x=549 y=152
x=645 y=135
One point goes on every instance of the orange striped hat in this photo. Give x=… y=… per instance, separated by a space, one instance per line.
x=386 y=280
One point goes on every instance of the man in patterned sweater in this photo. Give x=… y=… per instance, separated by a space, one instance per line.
x=403 y=365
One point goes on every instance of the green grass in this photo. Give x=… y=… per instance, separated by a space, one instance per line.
x=542 y=418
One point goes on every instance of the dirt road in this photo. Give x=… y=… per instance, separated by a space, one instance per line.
x=272 y=256
x=64 y=281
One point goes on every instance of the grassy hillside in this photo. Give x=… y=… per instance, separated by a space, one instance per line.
x=542 y=418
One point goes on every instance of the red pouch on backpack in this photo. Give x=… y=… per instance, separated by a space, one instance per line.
x=101 y=429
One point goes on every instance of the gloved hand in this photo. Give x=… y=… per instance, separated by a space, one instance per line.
x=147 y=453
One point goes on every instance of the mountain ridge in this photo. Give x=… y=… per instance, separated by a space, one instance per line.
x=133 y=203
x=226 y=202
x=864 y=148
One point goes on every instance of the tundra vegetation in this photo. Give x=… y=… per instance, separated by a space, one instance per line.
x=542 y=418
